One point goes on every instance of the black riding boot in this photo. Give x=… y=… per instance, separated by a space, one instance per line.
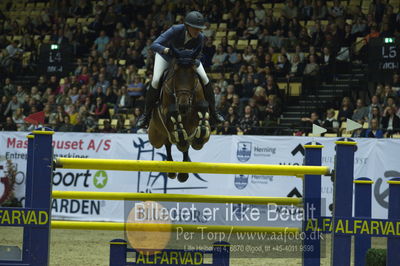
x=151 y=100
x=215 y=116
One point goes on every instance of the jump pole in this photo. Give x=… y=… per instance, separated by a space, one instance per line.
x=393 y=242
x=175 y=197
x=362 y=209
x=190 y=167
x=343 y=200
x=312 y=205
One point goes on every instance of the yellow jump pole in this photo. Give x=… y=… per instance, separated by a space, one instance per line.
x=174 y=197
x=168 y=227
x=190 y=167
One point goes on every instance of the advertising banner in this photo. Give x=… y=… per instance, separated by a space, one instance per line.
x=376 y=159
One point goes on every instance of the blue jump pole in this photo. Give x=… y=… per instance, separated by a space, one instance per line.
x=312 y=206
x=40 y=194
x=118 y=249
x=343 y=200
x=221 y=252
x=362 y=209
x=393 y=242
x=26 y=246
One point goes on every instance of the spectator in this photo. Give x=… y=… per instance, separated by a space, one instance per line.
x=374 y=114
x=377 y=9
x=317 y=34
x=20 y=94
x=387 y=93
x=56 y=118
x=247 y=122
x=103 y=83
x=12 y=106
x=373 y=131
x=107 y=127
x=136 y=89
x=123 y=102
x=9 y=125
x=361 y=111
x=330 y=123
x=336 y=11
x=219 y=58
x=226 y=129
x=374 y=103
x=80 y=124
x=327 y=65
x=248 y=55
x=14 y=56
x=73 y=114
x=307 y=122
x=307 y=10
x=101 y=42
x=283 y=67
x=8 y=88
x=35 y=93
x=296 y=67
x=18 y=119
x=66 y=126
x=310 y=78
x=42 y=84
x=320 y=10
x=273 y=111
x=3 y=108
x=346 y=110
x=233 y=59
x=390 y=121
x=110 y=97
x=289 y=10
x=208 y=53
x=100 y=110
x=260 y=14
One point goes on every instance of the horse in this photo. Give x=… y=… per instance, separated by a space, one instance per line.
x=181 y=117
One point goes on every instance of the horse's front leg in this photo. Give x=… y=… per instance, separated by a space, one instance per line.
x=169 y=158
x=182 y=177
x=203 y=130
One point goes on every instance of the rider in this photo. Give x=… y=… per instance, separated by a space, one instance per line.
x=187 y=36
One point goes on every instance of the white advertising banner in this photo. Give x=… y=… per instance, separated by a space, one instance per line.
x=376 y=159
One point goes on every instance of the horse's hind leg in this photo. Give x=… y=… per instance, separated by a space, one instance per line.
x=169 y=158
x=182 y=177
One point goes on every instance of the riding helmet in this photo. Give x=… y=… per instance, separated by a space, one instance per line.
x=195 y=19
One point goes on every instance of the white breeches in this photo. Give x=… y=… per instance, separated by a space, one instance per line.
x=160 y=65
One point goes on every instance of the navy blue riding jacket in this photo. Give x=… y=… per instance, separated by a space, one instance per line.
x=175 y=37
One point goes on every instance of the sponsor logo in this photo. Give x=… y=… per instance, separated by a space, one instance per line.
x=100 y=179
x=241 y=181
x=262 y=179
x=264 y=151
x=382 y=196
x=78 y=179
x=243 y=152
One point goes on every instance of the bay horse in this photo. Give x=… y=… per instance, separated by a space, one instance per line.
x=181 y=117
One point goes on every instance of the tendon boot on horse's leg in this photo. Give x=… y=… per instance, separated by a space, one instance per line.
x=151 y=101
x=215 y=116
x=182 y=177
x=169 y=158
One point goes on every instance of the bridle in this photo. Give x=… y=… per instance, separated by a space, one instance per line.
x=172 y=92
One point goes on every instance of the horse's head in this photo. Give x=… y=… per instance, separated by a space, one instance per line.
x=185 y=83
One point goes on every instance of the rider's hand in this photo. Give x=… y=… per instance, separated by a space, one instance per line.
x=166 y=50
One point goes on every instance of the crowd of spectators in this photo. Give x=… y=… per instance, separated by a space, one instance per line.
x=301 y=40
x=380 y=118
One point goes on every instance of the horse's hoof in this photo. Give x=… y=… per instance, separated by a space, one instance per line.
x=182 y=177
x=172 y=175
